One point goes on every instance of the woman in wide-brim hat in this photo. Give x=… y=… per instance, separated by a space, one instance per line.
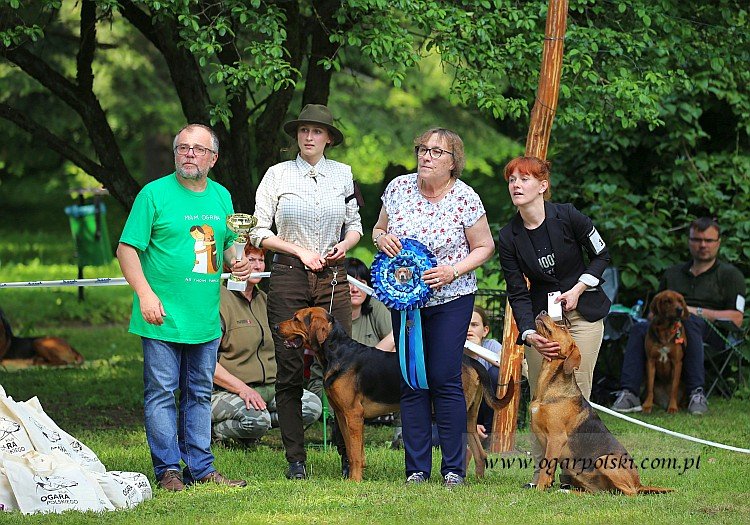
x=311 y=202
x=315 y=114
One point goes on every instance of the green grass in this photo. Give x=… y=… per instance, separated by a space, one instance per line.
x=101 y=403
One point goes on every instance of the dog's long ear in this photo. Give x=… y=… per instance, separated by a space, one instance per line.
x=320 y=327
x=573 y=361
x=653 y=308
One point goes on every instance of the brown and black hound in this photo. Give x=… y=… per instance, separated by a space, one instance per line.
x=570 y=432
x=665 y=346
x=364 y=382
x=27 y=351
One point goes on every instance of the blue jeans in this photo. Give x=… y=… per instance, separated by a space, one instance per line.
x=444 y=330
x=190 y=367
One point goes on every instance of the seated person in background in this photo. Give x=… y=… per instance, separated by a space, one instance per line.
x=479 y=329
x=713 y=290
x=371 y=320
x=243 y=407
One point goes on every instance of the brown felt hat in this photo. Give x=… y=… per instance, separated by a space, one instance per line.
x=315 y=114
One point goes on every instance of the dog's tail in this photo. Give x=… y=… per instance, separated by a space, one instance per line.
x=484 y=378
x=653 y=490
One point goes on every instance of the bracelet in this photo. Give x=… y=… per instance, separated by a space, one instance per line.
x=455 y=272
x=375 y=240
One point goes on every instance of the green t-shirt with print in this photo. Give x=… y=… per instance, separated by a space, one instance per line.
x=180 y=236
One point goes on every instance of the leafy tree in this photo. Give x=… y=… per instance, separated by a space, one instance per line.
x=651 y=128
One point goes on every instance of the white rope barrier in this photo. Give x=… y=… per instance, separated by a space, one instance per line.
x=99 y=281
x=472 y=348
x=669 y=432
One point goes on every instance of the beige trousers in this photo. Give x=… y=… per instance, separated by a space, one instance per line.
x=588 y=336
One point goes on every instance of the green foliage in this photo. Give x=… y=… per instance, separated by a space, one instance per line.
x=651 y=129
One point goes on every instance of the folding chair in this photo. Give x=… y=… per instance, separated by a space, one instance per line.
x=724 y=360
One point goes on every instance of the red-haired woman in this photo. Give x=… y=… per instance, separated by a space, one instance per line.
x=545 y=243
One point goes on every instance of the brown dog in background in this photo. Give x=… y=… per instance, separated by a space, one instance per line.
x=22 y=352
x=570 y=431
x=364 y=382
x=665 y=346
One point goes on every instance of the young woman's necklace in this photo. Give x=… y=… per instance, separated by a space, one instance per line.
x=438 y=194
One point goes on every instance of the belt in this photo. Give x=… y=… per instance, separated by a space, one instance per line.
x=295 y=262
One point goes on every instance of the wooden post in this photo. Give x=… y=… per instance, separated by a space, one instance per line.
x=537 y=140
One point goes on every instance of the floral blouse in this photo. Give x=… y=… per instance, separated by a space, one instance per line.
x=439 y=226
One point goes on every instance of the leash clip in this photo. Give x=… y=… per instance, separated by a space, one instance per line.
x=334 y=282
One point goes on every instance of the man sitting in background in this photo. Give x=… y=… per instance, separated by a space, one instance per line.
x=713 y=290
x=243 y=407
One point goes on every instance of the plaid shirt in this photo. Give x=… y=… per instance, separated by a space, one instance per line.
x=308 y=204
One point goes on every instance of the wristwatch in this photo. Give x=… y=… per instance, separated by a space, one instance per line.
x=699 y=311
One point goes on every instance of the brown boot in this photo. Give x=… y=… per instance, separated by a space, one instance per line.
x=171 y=480
x=215 y=477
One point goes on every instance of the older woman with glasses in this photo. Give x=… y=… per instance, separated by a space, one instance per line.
x=437 y=209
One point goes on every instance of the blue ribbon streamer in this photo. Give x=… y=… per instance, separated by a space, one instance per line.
x=411 y=350
x=406 y=294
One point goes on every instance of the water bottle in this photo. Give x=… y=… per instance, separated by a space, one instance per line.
x=636 y=312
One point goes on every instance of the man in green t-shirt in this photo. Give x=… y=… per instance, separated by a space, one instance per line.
x=171 y=253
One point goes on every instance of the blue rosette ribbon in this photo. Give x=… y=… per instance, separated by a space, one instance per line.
x=398 y=284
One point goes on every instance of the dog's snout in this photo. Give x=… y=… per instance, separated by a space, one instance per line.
x=275 y=328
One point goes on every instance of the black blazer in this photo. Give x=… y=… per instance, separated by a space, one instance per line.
x=570 y=233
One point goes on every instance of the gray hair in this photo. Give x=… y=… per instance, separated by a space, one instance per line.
x=214 y=137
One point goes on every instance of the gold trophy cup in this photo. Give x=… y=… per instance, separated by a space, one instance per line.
x=241 y=224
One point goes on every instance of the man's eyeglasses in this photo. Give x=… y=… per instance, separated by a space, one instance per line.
x=700 y=240
x=435 y=153
x=198 y=151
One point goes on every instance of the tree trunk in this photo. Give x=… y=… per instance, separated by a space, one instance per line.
x=537 y=141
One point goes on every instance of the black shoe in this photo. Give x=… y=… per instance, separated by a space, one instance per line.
x=345 y=467
x=529 y=485
x=296 y=470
